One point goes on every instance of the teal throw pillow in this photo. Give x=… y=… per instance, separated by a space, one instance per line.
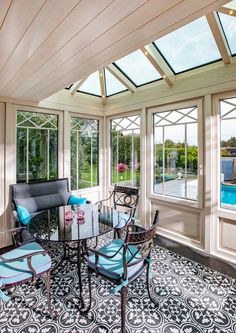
x=73 y=200
x=23 y=214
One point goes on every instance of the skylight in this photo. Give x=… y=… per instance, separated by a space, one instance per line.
x=91 y=85
x=231 y=5
x=189 y=47
x=113 y=85
x=138 y=68
x=229 y=25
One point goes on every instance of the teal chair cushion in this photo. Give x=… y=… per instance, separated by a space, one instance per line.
x=73 y=200
x=113 y=268
x=18 y=270
x=23 y=214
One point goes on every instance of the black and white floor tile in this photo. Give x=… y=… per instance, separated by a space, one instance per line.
x=191 y=299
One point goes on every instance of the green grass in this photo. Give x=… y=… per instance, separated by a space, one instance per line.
x=124 y=176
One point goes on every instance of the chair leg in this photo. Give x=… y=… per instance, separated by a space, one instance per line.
x=84 y=311
x=148 y=286
x=48 y=286
x=124 y=292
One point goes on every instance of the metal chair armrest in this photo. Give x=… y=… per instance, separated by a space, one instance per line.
x=100 y=201
x=99 y=253
x=28 y=256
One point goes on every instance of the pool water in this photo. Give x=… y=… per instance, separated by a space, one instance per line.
x=228 y=194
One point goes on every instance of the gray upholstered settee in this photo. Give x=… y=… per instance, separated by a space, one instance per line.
x=41 y=195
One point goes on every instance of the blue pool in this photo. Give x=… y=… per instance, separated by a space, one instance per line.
x=228 y=194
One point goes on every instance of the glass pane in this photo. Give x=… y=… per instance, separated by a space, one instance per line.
x=113 y=85
x=92 y=85
x=138 y=68
x=125 y=151
x=231 y=5
x=21 y=159
x=53 y=149
x=38 y=157
x=84 y=153
x=158 y=160
x=190 y=46
x=176 y=153
x=73 y=160
x=228 y=153
x=37 y=146
x=192 y=162
x=229 y=25
x=174 y=161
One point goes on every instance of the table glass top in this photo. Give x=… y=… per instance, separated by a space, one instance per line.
x=73 y=223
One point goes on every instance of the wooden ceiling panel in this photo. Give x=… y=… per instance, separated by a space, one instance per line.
x=47 y=20
x=76 y=21
x=113 y=34
x=5 y=6
x=43 y=48
x=102 y=20
x=103 y=55
x=19 y=17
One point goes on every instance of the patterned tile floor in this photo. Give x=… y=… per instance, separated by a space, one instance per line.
x=192 y=298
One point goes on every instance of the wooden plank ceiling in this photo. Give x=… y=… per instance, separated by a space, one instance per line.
x=45 y=45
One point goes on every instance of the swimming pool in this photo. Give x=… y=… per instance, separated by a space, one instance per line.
x=228 y=194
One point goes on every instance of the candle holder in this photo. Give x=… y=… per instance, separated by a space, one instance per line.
x=80 y=216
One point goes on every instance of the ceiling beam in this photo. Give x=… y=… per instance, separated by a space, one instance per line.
x=220 y=39
x=77 y=85
x=121 y=77
x=159 y=63
x=228 y=11
x=102 y=85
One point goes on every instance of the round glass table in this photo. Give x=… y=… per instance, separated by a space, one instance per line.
x=74 y=223
x=74 y=227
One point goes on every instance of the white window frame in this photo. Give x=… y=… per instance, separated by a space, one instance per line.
x=226 y=213
x=109 y=119
x=150 y=159
x=100 y=150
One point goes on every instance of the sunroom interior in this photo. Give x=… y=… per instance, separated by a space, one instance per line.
x=139 y=93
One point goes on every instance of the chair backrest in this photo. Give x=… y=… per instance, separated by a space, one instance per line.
x=142 y=240
x=125 y=197
x=41 y=195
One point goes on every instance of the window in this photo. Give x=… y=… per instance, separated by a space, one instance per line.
x=138 y=68
x=175 y=146
x=113 y=85
x=228 y=152
x=190 y=46
x=91 y=85
x=125 y=151
x=37 y=146
x=229 y=26
x=84 y=153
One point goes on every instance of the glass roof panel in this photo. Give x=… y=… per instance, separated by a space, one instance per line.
x=113 y=85
x=138 y=68
x=91 y=85
x=190 y=46
x=231 y=5
x=229 y=25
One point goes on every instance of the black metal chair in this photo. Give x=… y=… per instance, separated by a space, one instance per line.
x=22 y=264
x=124 y=198
x=123 y=261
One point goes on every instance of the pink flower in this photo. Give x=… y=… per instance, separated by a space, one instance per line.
x=121 y=167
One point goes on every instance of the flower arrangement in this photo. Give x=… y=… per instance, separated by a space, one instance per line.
x=121 y=167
